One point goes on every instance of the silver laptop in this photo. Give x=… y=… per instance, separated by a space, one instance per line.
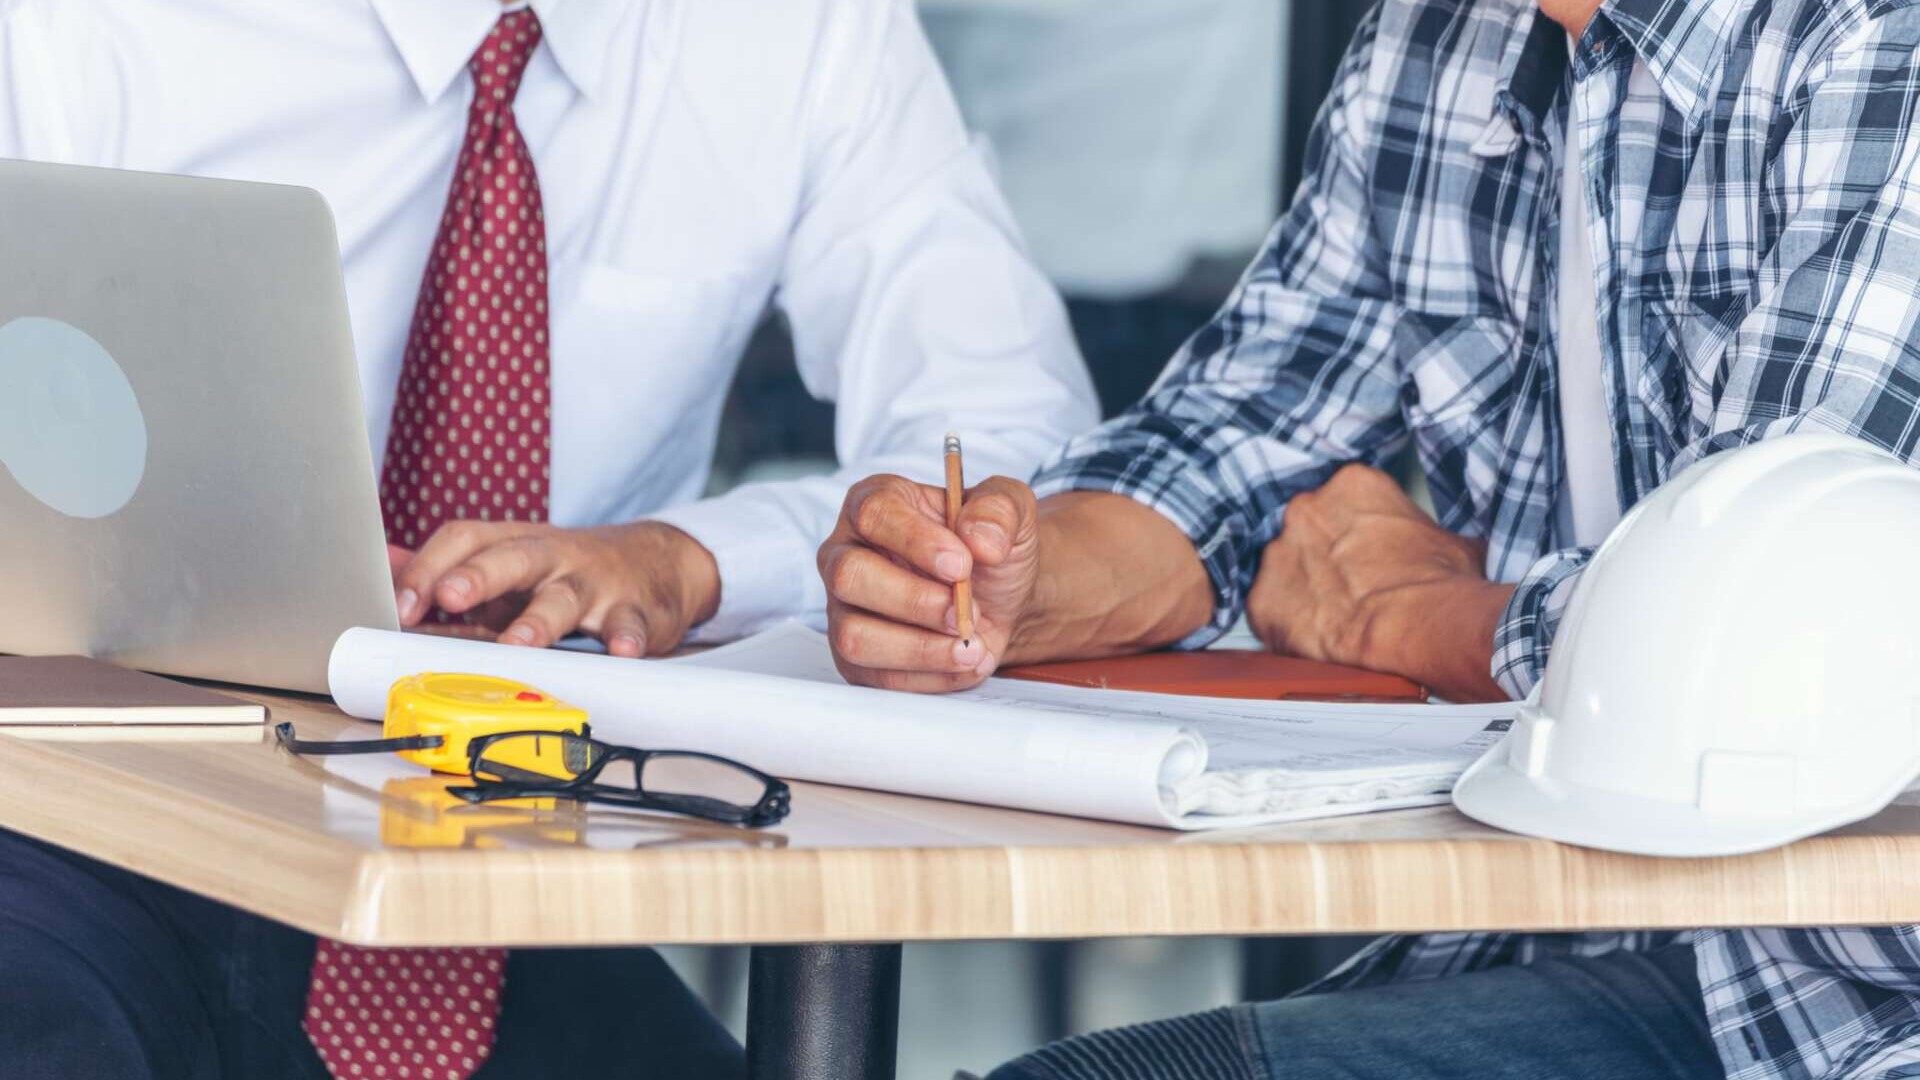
x=185 y=480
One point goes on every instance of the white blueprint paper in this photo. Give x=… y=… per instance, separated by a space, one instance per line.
x=775 y=701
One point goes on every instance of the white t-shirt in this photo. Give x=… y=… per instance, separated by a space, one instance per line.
x=1586 y=430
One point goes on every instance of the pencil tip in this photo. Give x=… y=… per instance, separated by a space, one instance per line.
x=953 y=443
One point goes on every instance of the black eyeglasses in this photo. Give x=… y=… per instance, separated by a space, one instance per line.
x=560 y=765
x=518 y=765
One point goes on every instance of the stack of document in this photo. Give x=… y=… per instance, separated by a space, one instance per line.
x=775 y=701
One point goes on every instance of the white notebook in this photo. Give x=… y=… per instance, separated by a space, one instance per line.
x=775 y=701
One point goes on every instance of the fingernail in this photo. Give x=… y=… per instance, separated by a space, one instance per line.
x=986 y=665
x=405 y=600
x=950 y=565
x=626 y=644
x=459 y=586
x=967 y=654
x=521 y=634
x=953 y=624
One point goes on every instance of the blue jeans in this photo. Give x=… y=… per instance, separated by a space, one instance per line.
x=105 y=975
x=1624 y=1016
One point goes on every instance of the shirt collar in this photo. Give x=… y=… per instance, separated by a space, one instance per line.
x=1683 y=43
x=436 y=38
x=1533 y=64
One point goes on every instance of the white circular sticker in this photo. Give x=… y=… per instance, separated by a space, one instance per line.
x=71 y=431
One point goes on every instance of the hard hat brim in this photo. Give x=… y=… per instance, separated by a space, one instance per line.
x=1495 y=793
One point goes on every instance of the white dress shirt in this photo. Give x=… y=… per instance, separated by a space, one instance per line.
x=699 y=160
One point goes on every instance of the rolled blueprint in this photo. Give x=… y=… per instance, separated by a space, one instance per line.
x=801 y=729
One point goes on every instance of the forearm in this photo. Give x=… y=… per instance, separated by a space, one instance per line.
x=1115 y=578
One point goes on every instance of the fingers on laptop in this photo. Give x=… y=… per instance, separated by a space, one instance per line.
x=438 y=576
x=524 y=584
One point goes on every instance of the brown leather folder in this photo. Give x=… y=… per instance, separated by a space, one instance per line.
x=1228 y=673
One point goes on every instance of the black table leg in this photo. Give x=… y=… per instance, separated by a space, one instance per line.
x=823 y=1012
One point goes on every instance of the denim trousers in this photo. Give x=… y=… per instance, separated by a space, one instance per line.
x=1623 y=1016
x=105 y=975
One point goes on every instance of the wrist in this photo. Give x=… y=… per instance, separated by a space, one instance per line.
x=1112 y=577
x=1029 y=640
x=1441 y=634
x=698 y=574
x=694 y=574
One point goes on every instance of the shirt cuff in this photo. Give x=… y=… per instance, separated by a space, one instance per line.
x=766 y=574
x=1525 y=636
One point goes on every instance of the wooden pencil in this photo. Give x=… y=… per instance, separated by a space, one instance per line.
x=956 y=488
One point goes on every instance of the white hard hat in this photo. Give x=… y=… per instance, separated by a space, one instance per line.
x=1738 y=667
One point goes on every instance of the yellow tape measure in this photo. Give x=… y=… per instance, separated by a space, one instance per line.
x=459 y=708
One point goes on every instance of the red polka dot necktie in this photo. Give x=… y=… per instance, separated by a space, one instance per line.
x=470 y=439
x=471 y=419
x=404 y=1014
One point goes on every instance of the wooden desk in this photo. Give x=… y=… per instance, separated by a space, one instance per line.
x=329 y=847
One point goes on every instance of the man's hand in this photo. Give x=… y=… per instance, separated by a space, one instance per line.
x=638 y=587
x=1359 y=575
x=890 y=567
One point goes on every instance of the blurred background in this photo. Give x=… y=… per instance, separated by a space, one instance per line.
x=1146 y=147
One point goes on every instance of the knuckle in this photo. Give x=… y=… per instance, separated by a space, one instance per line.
x=873 y=512
x=567 y=589
x=932 y=654
x=843 y=573
x=416 y=576
x=478 y=576
x=857 y=497
x=848 y=639
x=475 y=572
x=1000 y=506
x=632 y=619
x=867 y=486
x=523 y=548
x=853 y=673
x=933 y=605
x=1018 y=495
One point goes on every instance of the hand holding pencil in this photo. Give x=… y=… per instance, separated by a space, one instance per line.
x=926 y=585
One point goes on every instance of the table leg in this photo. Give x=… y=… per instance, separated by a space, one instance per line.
x=823 y=1012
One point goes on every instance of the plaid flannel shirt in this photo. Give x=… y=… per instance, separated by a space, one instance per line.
x=1754 y=207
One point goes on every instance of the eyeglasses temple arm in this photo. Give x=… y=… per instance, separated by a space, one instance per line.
x=284 y=732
